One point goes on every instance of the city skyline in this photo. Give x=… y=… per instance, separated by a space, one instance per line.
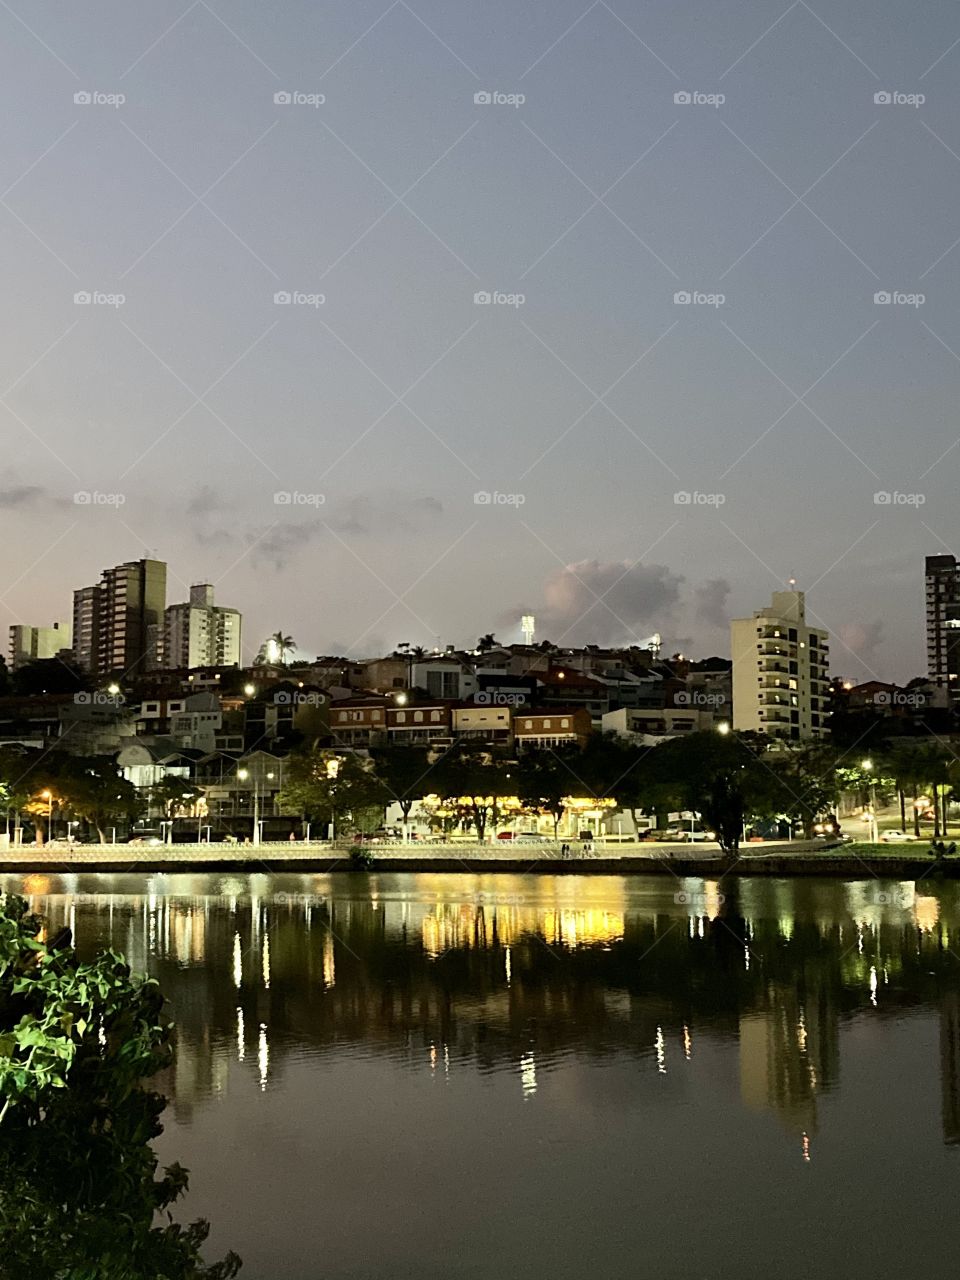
x=396 y=314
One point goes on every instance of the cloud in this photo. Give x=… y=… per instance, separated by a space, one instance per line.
x=20 y=495
x=710 y=602
x=633 y=601
x=381 y=516
x=863 y=639
x=372 y=514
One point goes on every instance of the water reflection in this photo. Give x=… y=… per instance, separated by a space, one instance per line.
x=516 y=973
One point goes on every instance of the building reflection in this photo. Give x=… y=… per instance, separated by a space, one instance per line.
x=523 y=971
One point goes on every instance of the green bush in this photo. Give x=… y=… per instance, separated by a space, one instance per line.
x=79 y=1191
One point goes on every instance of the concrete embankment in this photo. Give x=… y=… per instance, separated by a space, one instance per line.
x=779 y=860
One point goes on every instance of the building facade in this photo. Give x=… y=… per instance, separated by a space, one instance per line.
x=29 y=644
x=199 y=633
x=942 y=579
x=118 y=623
x=781 y=684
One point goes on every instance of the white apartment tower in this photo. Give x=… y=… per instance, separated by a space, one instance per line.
x=200 y=633
x=780 y=671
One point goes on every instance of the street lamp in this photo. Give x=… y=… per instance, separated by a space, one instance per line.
x=48 y=796
x=723 y=727
x=867 y=767
x=243 y=774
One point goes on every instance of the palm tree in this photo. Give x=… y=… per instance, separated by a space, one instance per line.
x=933 y=767
x=487 y=642
x=284 y=644
x=900 y=760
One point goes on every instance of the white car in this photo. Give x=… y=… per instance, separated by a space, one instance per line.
x=896 y=837
x=684 y=833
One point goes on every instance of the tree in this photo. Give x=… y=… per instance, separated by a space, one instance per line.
x=79 y=1191
x=543 y=784
x=285 y=645
x=172 y=794
x=326 y=787
x=48 y=675
x=472 y=780
x=487 y=642
x=95 y=790
x=722 y=776
x=805 y=782
x=403 y=772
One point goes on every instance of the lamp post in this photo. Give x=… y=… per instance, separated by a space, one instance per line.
x=867 y=766
x=243 y=774
x=48 y=796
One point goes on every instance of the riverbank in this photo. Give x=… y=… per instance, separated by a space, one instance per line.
x=859 y=861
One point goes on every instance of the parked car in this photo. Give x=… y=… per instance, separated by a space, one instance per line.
x=896 y=837
x=688 y=833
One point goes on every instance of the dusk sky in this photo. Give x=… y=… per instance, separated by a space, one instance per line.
x=583 y=195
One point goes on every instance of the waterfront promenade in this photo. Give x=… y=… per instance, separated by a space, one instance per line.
x=777 y=859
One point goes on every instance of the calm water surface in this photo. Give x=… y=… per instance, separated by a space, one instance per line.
x=458 y=1076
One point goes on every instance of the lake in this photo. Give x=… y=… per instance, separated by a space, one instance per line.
x=429 y=1075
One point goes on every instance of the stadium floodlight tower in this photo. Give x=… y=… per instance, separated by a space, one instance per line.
x=528 y=627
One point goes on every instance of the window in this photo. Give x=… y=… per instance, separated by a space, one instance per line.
x=418 y=717
x=528 y=724
x=401 y=717
x=546 y=724
x=434 y=717
x=564 y=724
x=343 y=716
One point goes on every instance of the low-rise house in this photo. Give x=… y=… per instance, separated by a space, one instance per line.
x=482 y=724
x=419 y=724
x=559 y=727
x=359 y=722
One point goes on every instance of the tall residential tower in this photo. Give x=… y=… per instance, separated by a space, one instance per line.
x=200 y=633
x=780 y=671
x=118 y=623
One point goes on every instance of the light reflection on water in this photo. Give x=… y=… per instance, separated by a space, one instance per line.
x=552 y=1072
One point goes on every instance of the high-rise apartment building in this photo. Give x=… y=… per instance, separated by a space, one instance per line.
x=943 y=622
x=200 y=633
x=780 y=671
x=118 y=623
x=27 y=644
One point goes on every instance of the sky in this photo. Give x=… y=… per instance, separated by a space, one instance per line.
x=396 y=321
